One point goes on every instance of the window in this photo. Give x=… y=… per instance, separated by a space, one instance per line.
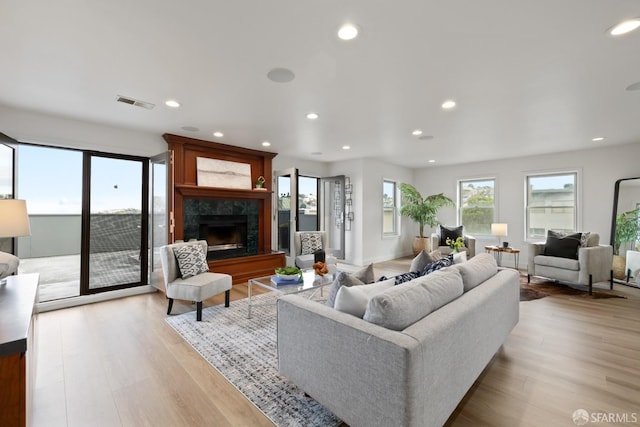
x=389 y=208
x=476 y=201
x=551 y=203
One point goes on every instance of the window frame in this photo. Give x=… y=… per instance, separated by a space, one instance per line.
x=576 y=200
x=459 y=202
x=395 y=209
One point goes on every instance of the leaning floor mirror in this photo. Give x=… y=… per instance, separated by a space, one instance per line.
x=625 y=231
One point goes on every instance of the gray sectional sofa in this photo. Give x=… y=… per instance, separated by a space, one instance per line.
x=372 y=375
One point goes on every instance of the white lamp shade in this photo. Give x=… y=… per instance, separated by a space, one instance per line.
x=499 y=229
x=14 y=221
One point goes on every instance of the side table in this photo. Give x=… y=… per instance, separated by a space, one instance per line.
x=498 y=251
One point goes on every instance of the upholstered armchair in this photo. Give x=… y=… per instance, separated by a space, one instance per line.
x=306 y=244
x=439 y=239
x=561 y=258
x=187 y=277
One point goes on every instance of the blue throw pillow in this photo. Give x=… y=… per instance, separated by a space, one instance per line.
x=437 y=265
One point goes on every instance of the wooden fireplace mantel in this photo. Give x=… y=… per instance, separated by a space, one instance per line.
x=184 y=151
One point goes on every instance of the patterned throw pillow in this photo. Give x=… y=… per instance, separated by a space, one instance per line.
x=191 y=260
x=584 y=239
x=437 y=265
x=401 y=278
x=310 y=242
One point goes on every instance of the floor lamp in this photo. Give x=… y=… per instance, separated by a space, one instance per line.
x=14 y=222
x=499 y=230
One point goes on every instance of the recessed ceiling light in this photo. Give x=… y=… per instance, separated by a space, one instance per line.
x=218 y=134
x=348 y=32
x=266 y=144
x=281 y=75
x=425 y=137
x=635 y=86
x=625 y=27
x=312 y=116
x=448 y=104
x=190 y=128
x=598 y=138
x=416 y=132
x=172 y=103
x=346 y=147
x=432 y=161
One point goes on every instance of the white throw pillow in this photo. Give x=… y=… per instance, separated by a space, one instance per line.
x=355 y=299
x=459 y=257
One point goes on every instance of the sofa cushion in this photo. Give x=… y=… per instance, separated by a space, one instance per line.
x=358 y=278
x=354 y=299
x=478 y=269
x=310 y=242
x=401 y=306
x=420 y=261
x=557 y=262
x=365 y=274
x=191 y=260
x=449 y=233
x=562 y=245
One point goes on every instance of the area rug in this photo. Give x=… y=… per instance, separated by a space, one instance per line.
x=244 y=351
x=540 y=288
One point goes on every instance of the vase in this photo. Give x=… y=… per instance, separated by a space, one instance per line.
x=419 y=244
x=619 y=264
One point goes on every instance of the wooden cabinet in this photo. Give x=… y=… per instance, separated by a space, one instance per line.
x=17 y=348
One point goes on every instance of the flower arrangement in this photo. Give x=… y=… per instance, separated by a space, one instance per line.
x=456 y=244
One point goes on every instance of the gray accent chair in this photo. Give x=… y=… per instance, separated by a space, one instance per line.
x=470 y=242
x=196 y=288
x=594 y=264
x=306 y=261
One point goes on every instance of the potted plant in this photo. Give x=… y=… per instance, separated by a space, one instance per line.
x=260 y=181
x=423 y=211
x=626 y=231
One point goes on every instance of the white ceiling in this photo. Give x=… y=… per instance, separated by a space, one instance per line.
x=529 y=77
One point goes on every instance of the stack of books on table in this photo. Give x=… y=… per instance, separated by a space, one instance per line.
x=278 y=281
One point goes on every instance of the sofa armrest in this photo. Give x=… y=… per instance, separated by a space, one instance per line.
x=435 y=241
x=596 y=261
x=535 y=249
x=335 y=357
x=471 y=245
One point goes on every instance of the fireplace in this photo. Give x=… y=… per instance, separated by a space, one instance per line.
x=226 y=235
x=230 y=227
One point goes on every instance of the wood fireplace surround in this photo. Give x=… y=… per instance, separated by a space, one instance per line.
x=184 y=190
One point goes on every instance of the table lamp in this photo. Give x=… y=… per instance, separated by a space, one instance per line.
x=14 y=222
x=499 y=230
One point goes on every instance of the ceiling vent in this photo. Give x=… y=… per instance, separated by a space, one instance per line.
x=136 y=102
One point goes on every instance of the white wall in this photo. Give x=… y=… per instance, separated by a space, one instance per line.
x=599 y=168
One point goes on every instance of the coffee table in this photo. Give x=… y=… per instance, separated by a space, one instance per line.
x=312 y=283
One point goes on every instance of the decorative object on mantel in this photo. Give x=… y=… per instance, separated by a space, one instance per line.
x=260 y=183
x=223 y=173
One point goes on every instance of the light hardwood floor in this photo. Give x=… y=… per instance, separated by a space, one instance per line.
x=118 y=363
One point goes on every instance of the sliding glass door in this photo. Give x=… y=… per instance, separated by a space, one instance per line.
x=287 y=212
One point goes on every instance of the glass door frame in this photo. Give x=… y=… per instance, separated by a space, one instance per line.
x=292 y=173
x=86 y=223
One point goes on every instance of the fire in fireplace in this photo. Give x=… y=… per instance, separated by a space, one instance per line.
x=226 y=235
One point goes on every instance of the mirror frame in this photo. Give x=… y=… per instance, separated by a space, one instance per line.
x=615 y=207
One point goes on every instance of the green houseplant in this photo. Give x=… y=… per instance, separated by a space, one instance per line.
x=422 y=210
